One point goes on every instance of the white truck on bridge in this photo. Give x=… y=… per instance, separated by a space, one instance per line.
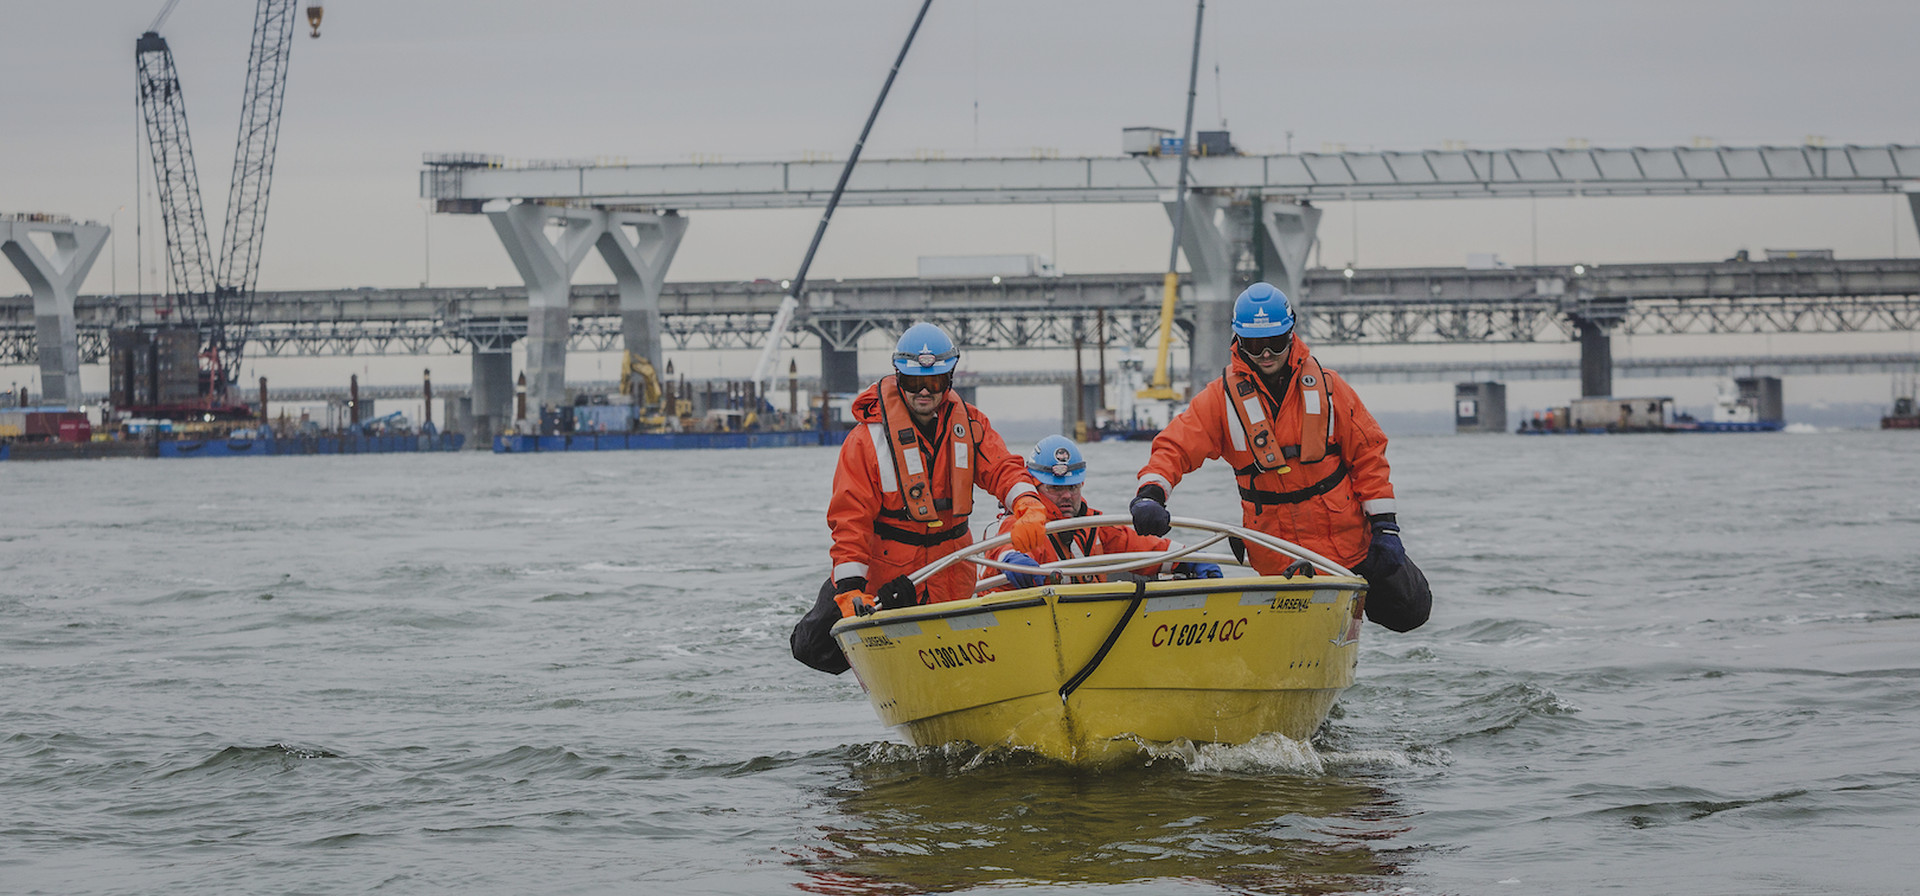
x=942 y=267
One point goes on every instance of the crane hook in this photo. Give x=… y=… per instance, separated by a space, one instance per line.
x=313 y=18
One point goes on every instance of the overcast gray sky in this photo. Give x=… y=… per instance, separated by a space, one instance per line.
x=659 y=81
x=754 y=79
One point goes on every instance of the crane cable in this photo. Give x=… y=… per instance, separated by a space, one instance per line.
x=1162 y=385
x=165 y=11
x=789 y=303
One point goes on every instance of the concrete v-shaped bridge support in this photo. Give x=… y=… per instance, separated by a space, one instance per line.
x=1219 y=228
x=637 y=246
x=1913 y=203
x=55 y=280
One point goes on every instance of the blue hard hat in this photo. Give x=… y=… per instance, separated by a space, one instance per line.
x=925 y=350
x=1262 y=310
x=1056 y=460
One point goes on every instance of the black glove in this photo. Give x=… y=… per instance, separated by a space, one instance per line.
x=897 y=593
x=1149 y=508
x=1386 y=550
x=1299 y=568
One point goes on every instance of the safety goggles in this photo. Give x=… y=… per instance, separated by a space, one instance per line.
x=936 y=383
x=1262 y=346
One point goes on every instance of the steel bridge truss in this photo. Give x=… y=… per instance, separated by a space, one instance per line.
x=1391 y=306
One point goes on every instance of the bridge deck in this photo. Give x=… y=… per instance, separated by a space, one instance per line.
x=463 y=182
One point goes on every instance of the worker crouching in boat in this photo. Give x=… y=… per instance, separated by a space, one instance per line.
x=1310 y=460
x=902 y=492
x=1057 y=465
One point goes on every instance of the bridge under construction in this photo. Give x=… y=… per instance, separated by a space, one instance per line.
x=1244 y=217
x=1400 y=306
x=1247 y=217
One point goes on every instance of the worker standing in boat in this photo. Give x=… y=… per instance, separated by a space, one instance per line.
x=902 y=492
x=1310 y=460
x=1056 y=463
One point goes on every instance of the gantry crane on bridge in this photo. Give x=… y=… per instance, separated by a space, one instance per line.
x=217 y=302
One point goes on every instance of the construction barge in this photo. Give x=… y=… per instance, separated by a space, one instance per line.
x=1746 y=404
x=167 y=401
x=649 y=412
x=658 y=441
x=282 y=446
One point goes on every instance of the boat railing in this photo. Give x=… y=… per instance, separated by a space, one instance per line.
x=1102 y=564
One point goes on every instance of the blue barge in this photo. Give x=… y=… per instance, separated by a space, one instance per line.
x=659 y=441
x=311 y=444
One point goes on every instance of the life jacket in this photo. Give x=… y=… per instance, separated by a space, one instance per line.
x=1250 y=430
x=903 y=467
x=1076 y=542
x=1083 y=543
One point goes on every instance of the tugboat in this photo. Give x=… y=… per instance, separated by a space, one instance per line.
x=1904 y=415
x=1746 y=404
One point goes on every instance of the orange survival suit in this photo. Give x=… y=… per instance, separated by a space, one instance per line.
x=901 y=494
x=1311 y=462
x=1119 y=539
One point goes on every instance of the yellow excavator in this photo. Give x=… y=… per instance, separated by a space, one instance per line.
x=640 y=382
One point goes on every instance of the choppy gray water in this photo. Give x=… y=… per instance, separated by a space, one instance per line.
x=1678 y=664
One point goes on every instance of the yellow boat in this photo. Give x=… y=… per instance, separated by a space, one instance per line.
x=1086 y=672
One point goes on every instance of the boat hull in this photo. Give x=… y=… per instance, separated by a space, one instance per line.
x=1214 y=660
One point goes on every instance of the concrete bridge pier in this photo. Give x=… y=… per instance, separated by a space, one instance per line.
x=1087 y=409
x=1215 y=227
x=55 y=278
x=492 y=392
x=1913 y=203
x=547 y=267
x=1291 y=227
x=839 y=369
x=639 y=246
x=1480 y=407
x=1596 y=358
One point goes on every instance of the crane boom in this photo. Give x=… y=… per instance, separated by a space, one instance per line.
x=175 y=178
x=763 y=370
x=253 y=152
x=218 y=302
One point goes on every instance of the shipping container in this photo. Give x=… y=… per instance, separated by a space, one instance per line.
x=75 y=429
x=1214 y=143
x=153 y=366
x=1142 y=141
x=603 y=418
x=38 y=424
x=1652 y=414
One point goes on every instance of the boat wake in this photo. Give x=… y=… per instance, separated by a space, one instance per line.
x=1263 y=755
x=1268 y=754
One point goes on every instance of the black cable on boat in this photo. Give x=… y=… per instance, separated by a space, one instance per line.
x=1073 y=684
x=800 y=279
